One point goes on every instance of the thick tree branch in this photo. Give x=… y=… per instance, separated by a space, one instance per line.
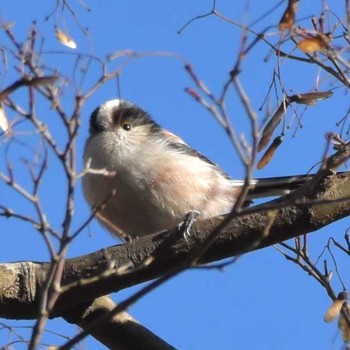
x=86 y=279
x=121 y=332
x=317 y=204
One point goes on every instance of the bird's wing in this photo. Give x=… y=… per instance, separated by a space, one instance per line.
x=177 y=143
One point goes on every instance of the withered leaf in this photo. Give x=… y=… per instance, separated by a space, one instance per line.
x=288 y=18
x=344 y=326
x=310 y=45
x=334 y=310
x=272 y=124
x=314 y=43
x=310 y=98
x=266 y=158
x=65 y=39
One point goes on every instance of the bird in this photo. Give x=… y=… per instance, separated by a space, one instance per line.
x=141 y=179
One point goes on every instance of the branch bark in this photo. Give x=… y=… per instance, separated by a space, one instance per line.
x=121 y=332
x=317 y=204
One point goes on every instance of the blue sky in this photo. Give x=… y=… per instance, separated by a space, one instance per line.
x=262 y=301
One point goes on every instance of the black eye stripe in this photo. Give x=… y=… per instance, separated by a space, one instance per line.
x=125 y=115
x=121 y=115
x=116 y=116
x=94 y=123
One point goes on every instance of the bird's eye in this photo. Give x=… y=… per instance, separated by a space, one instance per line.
x=126 y=126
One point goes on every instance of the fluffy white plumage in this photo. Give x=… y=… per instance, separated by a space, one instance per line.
x=157 y=180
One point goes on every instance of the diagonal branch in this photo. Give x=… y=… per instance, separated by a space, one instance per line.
x=121 y=332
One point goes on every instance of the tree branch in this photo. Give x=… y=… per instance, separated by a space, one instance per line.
x=122 y=332
x=315 y=205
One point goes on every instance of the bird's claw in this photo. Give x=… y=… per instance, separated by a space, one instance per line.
x=186 y=225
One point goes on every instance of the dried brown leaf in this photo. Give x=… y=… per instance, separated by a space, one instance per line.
x=334 y=310
x=288 y=18
x=266 y=158
x=310 y=45
x=315 y=43
x=310 y=98
x=65 y=39
x=272 y=124
x=344 y=326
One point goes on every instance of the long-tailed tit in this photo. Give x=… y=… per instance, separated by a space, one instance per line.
x=157 y=178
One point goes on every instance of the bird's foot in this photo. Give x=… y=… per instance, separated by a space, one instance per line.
x=186 y=225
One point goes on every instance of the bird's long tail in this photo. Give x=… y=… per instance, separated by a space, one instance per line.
x=274 y=186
